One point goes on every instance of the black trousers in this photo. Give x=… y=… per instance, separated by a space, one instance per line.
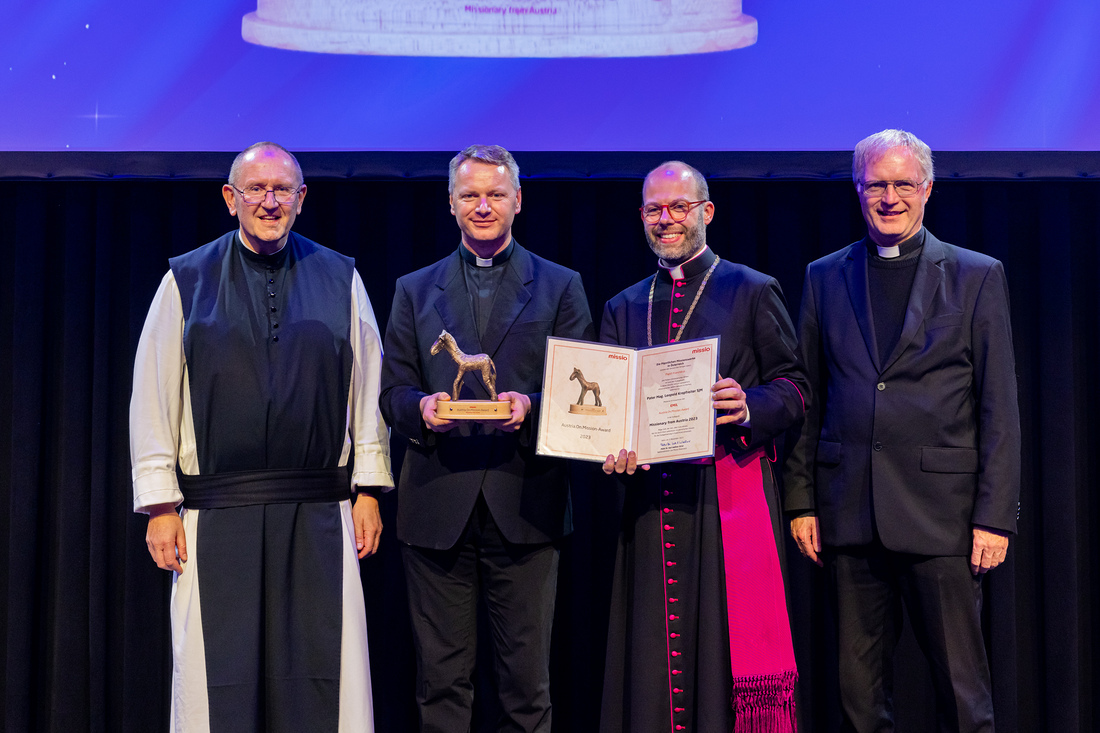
x=944 y=600
x=519 y=584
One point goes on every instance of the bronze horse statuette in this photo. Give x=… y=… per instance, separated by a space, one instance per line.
x=467 y=363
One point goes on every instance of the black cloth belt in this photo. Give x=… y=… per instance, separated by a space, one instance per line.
x=268 y=486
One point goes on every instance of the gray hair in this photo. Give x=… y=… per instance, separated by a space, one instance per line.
x=873 y=147
x=702 y=190
x=490 y=154
x=238 y=162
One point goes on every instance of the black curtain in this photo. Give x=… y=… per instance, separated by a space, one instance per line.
x=84 y=611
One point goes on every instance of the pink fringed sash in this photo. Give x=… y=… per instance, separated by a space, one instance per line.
x=761 y=652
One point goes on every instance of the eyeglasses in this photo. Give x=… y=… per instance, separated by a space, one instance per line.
x=258 y=194
x=677 y=210
x=877 y=189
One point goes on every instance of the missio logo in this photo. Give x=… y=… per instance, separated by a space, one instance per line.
x=701 y=350
x=618 y=356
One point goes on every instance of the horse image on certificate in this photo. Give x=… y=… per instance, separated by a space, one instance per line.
x=586 y=386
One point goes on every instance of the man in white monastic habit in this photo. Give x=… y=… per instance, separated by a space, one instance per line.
x=255 y=388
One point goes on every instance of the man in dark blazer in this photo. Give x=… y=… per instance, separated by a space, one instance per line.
x=478 y=511
x=905 y=481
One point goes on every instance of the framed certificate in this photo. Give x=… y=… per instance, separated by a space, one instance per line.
x=598 y=399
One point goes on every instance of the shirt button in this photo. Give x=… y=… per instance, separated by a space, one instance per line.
x=881 y=386
x=274 y=325
x=877 y=445
x=273 y=309
x=271 y=280
x=271 y=294
x=275 y=338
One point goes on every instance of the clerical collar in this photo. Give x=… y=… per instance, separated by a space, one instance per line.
x=905 y=249
x=275 y=259
x=699 y=263
x=498 y=259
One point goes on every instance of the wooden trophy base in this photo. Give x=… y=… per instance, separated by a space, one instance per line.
x=473 y=409
x=587 y=410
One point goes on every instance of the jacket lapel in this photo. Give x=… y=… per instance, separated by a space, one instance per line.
x=927 y=280
x=453 y=306
x=855 y=274
x=510 y=300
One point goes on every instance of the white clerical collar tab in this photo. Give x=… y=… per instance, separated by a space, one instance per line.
x=676 y=272
x=484 y=263
x=889 y=253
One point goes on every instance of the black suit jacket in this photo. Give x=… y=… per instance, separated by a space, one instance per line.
x=928 y=442
x=443 y=473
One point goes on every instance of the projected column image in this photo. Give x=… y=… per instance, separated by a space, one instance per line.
x=501 y=28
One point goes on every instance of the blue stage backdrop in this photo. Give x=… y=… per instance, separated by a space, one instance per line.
x=549 y=75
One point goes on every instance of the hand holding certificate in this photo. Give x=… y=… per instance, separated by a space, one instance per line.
x=654 y=401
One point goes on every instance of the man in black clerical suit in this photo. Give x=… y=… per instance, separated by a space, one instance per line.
x=478 y=511
x=699 y=638
x=905 y=481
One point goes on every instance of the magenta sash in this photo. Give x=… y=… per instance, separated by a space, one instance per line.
x=761 y=652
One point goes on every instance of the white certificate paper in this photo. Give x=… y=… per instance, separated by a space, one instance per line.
x=600 y=398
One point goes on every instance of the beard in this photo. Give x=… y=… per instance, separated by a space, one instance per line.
x=695 y=238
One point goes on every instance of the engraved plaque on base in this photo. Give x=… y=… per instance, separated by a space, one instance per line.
x=587 y=410
x=473 y=410
x=501 y=28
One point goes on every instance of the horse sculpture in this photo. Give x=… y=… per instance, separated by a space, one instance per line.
x=586 y=387
x=467 y=363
